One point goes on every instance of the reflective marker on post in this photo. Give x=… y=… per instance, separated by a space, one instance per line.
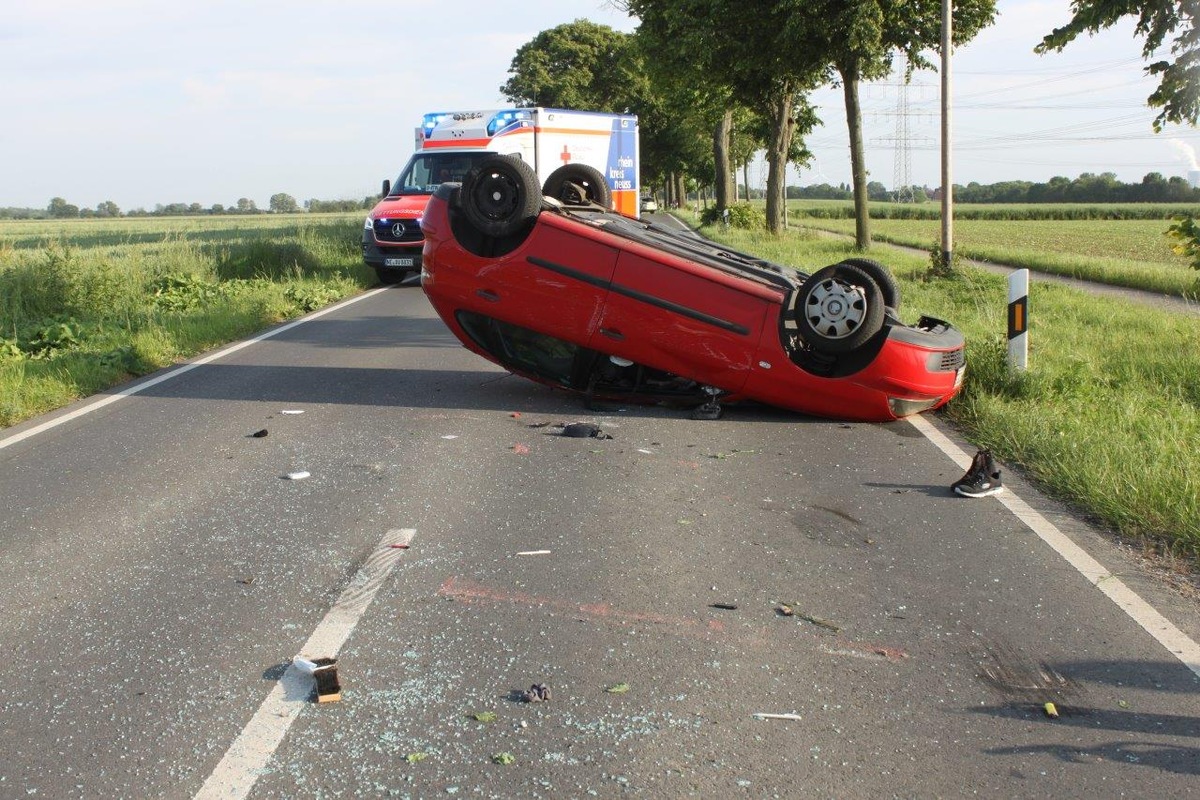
x=1018 y=319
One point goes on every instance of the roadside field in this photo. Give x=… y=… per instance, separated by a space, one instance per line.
x=1107 y=417
x=88 y=304
x=844 y=209
x=1121 y=252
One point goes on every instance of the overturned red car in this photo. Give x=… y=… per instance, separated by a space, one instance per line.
x=581 y=298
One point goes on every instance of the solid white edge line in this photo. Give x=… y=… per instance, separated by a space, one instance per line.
x=245 y=760
x=177 y=371
x=1178 y=643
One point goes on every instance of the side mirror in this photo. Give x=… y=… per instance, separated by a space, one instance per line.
x=387 y=187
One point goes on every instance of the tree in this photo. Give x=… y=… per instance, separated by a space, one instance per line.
x=61 y=209
x=246 y=206
x=579 y=64
x=283 y=204
x=592 y=67
x=749 y=50
x=108 y=209
x=1178 y=92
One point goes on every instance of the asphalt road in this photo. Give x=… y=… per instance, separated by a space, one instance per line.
x=160 y=574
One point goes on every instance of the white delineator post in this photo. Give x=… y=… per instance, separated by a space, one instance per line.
x=1018 y=319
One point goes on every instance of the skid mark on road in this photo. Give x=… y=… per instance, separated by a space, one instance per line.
x=471 y=592
x=250 y=753
x=1162 y=629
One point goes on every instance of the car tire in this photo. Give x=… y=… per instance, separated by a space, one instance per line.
x=840 y=309
x=880 y=274
x=500 y=196
x=578 y=185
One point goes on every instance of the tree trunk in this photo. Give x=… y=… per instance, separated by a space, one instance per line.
x=721 y=135
x=858 y=165
x=746 y=178
x=778 y=144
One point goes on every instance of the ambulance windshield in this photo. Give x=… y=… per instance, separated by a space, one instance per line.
x=426 y=171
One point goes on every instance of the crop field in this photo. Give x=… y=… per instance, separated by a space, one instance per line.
x=1122 y=252
x=1140 y=241
x=88 y=304
x=844 y=209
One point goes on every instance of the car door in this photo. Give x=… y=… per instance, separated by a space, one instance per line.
x=675 y=315
x=555 y=283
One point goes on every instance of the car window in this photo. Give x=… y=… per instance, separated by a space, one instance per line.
x=522 y=349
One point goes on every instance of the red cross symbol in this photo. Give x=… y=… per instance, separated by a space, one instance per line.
x=566 y=156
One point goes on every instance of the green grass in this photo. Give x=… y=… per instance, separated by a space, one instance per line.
x=1131 y=253
x=88 y=304
x=1107 y=417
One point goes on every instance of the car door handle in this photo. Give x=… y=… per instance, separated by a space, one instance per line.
x=613 y=333
x=488 y=294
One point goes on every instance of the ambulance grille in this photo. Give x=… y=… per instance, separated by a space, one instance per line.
x=385 y=230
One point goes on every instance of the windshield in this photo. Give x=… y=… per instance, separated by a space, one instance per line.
x=426 y=171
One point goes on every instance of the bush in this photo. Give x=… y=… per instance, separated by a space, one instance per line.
x=741 y=215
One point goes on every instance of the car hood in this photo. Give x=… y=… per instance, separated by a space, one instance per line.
x=409 y=206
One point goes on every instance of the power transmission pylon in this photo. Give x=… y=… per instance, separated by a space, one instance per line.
x=902 y=141
x=902 y=190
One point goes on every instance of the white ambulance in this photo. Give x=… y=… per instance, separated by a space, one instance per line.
x=573 y=152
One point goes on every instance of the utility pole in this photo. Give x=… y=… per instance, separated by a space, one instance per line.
x=947 y=178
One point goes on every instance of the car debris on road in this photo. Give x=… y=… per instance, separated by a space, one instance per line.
x=325 y=676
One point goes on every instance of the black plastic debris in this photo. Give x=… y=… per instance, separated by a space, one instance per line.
x=724 y=606
x=584 y=430
x=537 y=693
x=260 y=434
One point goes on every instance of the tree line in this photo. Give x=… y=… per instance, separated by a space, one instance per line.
x=1087 y=188
x=280 y=203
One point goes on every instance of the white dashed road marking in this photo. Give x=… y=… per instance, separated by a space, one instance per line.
x=250 y=753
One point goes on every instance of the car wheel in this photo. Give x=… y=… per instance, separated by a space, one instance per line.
x=840 y=309
x=578 y=185
x=500 y=196
x=880 y=274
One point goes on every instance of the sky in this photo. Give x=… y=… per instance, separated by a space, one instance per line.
x=149 y=103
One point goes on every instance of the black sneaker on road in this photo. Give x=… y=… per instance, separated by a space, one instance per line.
x=982 y=479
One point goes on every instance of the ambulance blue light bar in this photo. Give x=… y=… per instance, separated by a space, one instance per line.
x=432 y=120
x=503 y=120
